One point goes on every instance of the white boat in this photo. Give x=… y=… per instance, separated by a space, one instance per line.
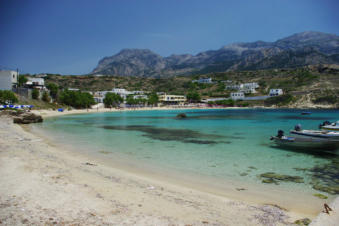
x=305 y=143
x=320 y=134
x=330 y=126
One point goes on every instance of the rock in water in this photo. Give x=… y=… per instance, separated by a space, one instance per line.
x=181 y=115
x=27 y=118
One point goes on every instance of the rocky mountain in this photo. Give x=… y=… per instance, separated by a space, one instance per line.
x=301 y=49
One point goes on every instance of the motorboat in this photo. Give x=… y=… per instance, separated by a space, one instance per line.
x=327 y=126
x=319 y=134
x=306 y=113
x=322 y=134
x=305 y=142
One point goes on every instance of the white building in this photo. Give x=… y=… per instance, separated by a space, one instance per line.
x=38 y=83
x=172 y=99
x=276 y=92
x=237 y=96
x=235 y=87
x=248 y=90
x=140 y=97
x=122 y=92
x=8 y=79
x=251 y=85
x=246 y=87
x=204 y=80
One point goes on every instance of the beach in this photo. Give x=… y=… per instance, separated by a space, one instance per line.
x=44 y=184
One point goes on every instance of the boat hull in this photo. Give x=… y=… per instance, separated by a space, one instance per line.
x=306 y=143
x=316 y=134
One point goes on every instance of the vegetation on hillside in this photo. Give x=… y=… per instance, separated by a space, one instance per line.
x=112 y=100
x=76 y=99
x=7 y=97
x=312 y=80
x=279 y=100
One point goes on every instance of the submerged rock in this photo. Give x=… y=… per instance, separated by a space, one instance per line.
x=325 y=177
x=270 y=181
x=181 y=115
x=302 y=222
x=334 y=190
x=281 y=177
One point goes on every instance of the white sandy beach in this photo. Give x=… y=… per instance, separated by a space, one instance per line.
x=43 y=184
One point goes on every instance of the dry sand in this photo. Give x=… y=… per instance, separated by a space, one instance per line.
x=44 y=185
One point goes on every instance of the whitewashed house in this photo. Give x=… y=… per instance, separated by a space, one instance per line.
x=276 y=92
x=237 y=96
x=8 y=79
x=122 y=92
x=203 y=80
x=140 y=97
x=36 y=83
x=172 y=99
x=235 y=87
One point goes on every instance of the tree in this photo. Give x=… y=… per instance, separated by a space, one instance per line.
x=130 y=100
x=22 y=80
x=35 y=94
x=153 y=99
x=76 y=99
x=45 y=97
x=193 y=97
x=112 y=100
x=7 y=97
x=53 y=90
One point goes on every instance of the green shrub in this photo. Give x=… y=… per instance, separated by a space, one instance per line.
x=7 y=97
x=279 y=100
x=76 y=99
x=193 y=97
x=35 y=94
x=53 y=90
x=45 y=97
x=330 y=99
x=112 y=100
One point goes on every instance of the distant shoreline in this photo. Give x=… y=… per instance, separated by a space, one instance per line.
x=54 y=113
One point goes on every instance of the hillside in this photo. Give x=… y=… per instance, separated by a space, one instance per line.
x=313 y=82
x=302 y=49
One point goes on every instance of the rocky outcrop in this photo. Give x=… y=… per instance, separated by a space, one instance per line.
x=26 y=118
x=306 y=48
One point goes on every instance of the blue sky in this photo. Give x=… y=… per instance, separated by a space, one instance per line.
x=71 y=36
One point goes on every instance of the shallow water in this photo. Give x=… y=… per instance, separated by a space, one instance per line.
x=221 y=144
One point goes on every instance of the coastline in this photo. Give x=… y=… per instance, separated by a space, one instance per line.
x=92 y=192
x=54 y=113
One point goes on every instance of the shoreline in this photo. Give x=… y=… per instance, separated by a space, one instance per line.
x=54 y=113
x=162 y=202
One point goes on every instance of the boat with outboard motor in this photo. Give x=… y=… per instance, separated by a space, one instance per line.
x=321 y=134
x=305 y=142
x=328 y=126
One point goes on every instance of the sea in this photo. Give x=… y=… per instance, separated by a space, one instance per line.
x=222 y=144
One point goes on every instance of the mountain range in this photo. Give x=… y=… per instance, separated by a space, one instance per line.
x=301 y=49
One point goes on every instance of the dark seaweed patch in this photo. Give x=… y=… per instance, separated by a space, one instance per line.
x=325 y=177
x=165 y=134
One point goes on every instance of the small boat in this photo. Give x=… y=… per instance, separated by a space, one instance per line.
x=321 y=134
x=304 y=142
x=329 y=126
x=306 y=113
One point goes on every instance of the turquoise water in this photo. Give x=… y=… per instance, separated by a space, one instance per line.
x=223 y=144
